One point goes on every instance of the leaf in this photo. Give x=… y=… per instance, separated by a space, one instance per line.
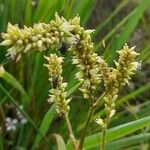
x=12 y=81
x=128 y=28
x=28 y=12
x=60 y=142
x=24 y=113
x=127 y=97
x=117 y=132
x=84 y=8
x=45 y=125
x=47 y=120
x=73 y=89
x=5 y=98
x=133 y=94
x=110 y=17
x=117 y=26
x=129 y=141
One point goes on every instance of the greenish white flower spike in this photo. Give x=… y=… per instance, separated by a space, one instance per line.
x=52 y=35
x=86 y=59
x=57 y=94
x=116 y=78
x=41 y=37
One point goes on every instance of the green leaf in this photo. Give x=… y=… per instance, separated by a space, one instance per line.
x=69 y=92
x=84 y=8
x=129 y=141
x=60 y=142
x=133 y=94
x=24 y=113
x=117 y=132
x=110 y=17
x=45 y=125
x=127 y=97
x=5 y=98
x=47 y=120
x=128 y=28
x=144 y=54
x=12 y=81
x=28 y=13
x=117 y=26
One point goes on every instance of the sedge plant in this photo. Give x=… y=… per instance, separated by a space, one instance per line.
x=93 y=70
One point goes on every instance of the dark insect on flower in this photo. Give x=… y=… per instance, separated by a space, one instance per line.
x=54 y=82
x=63 y=48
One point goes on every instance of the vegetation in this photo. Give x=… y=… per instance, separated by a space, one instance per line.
x=65 y=86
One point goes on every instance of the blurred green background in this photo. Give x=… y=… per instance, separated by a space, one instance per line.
x=25 y=83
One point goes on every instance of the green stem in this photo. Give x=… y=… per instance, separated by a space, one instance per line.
x=71 y=135
x=104 y=132
x=103 y=139
x=90 y=114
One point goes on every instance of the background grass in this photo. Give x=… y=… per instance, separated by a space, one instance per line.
x=115 y=22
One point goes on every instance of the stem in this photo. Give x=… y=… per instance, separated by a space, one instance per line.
x=103 y=138
x=90 y=114
x=104 y=133
x=71 y=135
x=98 y=100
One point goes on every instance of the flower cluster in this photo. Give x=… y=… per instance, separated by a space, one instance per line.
x=52 y=35
x=86 y=60
x=41 y=37
x=57 y=94
x=10 y=124
x=116 y=78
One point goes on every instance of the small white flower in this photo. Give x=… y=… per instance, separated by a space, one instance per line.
x=23 y=121
x=2 y=71
x=10 y=124
x=12 y=52
x=137 y=65
x=21 y=118
x=33 y=3
x=99 y=121
x=112 y=113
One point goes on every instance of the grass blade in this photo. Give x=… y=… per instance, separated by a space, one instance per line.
x=128 y=97
x=110 y=17
x=117 y=132
x=46 y=122
x=24 y=113
x=28 y=13
x=60 y=142
x=119 y=144
x=12 y=81
x=128 y=28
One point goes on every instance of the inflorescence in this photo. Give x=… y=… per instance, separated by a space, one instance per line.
x=91 y=67
x=52 y=35
x=57 y=94
x=116 y=78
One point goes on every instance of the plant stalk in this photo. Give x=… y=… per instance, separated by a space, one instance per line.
x=71 y=135
x=90 y=114
x=103 y=138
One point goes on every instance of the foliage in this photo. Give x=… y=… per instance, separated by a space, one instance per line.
x=25 y=83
